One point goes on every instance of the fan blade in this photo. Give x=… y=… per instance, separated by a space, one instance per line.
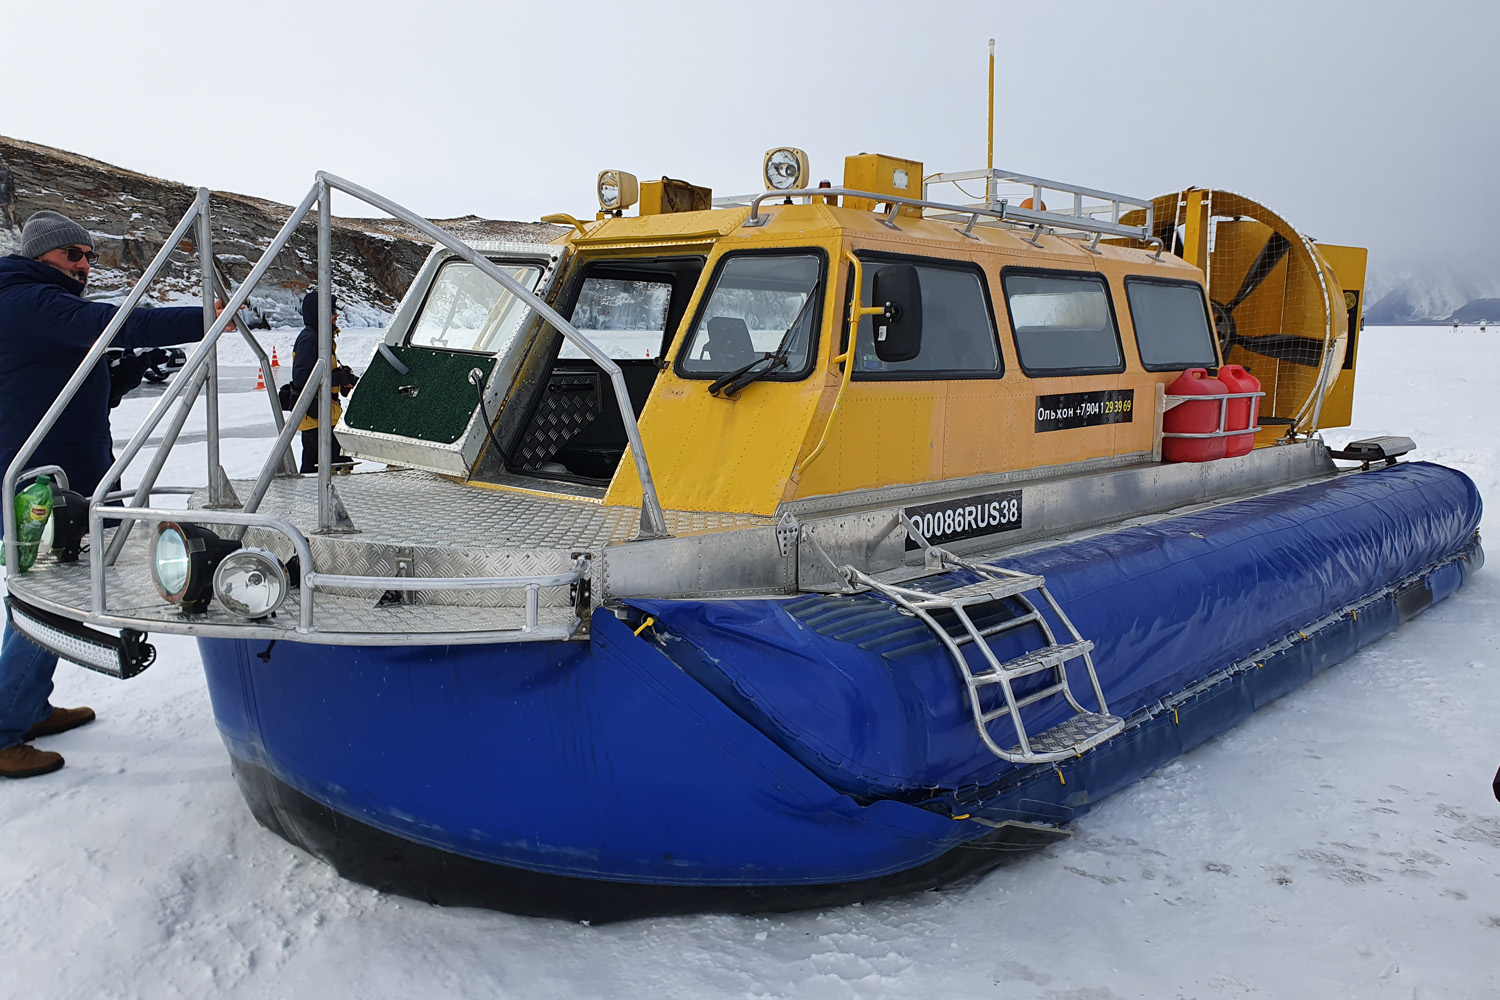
x=1299 y=350
x=1265 y=262
x=1224 y=323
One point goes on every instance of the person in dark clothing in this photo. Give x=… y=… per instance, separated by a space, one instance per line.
x=304 y=356
x=46 y=328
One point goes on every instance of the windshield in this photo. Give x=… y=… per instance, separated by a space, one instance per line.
x=466 y=310
x=760 y=304
x=623 y=317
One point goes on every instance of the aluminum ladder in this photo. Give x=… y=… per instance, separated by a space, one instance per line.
x=1073 y=736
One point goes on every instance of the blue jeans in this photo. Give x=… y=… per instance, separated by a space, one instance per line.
x=25 y=685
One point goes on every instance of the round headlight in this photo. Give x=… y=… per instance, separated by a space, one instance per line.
x=618 y=190
x=785 y=169
x=183 y=558
x=170 y=562
x=250 y=583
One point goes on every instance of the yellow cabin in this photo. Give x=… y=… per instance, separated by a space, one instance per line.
x=986 y=338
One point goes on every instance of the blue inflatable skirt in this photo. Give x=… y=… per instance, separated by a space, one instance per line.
x=816 y=749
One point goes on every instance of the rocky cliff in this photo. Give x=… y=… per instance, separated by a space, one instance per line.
x=131 y=215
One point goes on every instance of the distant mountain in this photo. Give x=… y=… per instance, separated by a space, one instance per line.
x=131 y=214
x=1478 y=311
x=1427 y=298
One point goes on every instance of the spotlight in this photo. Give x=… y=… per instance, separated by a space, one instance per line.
x=251 y=583
x=183 y=560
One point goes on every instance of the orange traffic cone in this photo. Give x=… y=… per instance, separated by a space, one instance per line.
x=260 y=378
x=274 y=362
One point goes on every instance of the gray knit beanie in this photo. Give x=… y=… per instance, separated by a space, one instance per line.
x=49 y=230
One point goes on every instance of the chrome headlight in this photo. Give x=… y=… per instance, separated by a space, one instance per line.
x=785 y=169
x=183 y=558
x=618 y=190
x=251 y=583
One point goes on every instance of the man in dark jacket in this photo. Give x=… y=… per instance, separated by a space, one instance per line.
x=46 y=328
x=304 y=356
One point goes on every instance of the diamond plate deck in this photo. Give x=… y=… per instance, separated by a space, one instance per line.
x=400 y=507
x=1080 y=732
x=132 y=601
x=435 y=526
x=453 y=530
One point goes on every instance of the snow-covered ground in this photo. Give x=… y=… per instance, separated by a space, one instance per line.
x=1342 y=843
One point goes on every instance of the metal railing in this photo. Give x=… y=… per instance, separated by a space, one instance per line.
x=1111 y=203
x=653 y=522
x=993 y=208
x=312 y=581
x=1166 y=401
x=201 y=369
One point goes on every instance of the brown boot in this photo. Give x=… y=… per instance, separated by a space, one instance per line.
x=22 y=761
x=60 y=721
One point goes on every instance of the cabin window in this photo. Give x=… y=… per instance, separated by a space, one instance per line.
x=1171 y=324
x=1064 y=323
x=565 y=422
x=760 y=305
x=624 y=317
x=958 y=326
x=467 y=310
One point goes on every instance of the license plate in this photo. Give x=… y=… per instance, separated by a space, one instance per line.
x=953 y=520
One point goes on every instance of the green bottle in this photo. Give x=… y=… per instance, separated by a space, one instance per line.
x=33 y=508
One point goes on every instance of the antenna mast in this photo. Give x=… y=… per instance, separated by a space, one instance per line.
x=989 y=163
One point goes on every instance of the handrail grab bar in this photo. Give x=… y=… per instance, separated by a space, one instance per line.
x=283 y=443
x=857 y=310
x=195 y=360
x=58 y=473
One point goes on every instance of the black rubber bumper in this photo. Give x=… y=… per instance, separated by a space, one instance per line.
x=389 y=863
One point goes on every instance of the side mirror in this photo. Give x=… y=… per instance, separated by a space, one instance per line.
x=898 y=332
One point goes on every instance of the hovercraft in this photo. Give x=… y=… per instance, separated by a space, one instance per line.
x=774 y=551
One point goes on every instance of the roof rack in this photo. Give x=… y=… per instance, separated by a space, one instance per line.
x=1091 y=210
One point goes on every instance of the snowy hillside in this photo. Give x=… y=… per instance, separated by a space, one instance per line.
x=1429 y=296
x=131 y=214
x=1343 y=843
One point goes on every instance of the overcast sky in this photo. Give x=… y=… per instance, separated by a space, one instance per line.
x=1371 y=123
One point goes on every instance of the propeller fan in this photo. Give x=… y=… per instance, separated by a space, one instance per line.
x=1283 y=346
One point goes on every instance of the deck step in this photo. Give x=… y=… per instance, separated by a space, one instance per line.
x=982 y=592
x=1075 y=735
x=1081 y=732
x=1036 y=661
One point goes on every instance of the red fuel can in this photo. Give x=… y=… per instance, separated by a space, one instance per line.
x=1242 y=412
x=1193 y=418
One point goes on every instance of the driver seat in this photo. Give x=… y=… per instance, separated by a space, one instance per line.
x=729 y=346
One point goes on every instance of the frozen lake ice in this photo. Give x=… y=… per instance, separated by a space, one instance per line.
x=1341 y=843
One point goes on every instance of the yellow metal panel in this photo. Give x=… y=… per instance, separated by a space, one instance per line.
x=886 y=433
x=715 y=454
x=1195 y=228
x=881 y=174
x=677 y=225
x=668 y=196
x=1348 y=265
x=750 y=454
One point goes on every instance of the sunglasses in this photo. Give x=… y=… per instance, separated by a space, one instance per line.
x=75 y=255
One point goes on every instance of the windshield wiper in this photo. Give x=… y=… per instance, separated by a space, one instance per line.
x=743 y=376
